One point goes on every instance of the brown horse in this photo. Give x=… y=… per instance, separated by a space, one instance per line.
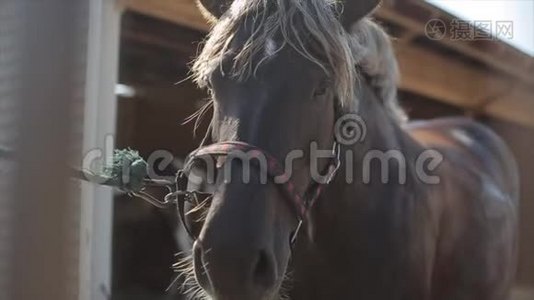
x=393 y=222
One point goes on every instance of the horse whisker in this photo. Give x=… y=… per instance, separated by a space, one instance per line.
x=190 y=288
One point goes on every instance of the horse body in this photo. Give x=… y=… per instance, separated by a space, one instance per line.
x=451 y=240
x=476 y=253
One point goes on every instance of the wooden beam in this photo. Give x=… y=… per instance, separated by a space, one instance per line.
x=183 y=12
x=517 y=106
x=438 y=77
x=497 y=62
x=433 y=75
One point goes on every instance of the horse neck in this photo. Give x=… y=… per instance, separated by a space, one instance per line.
x=354 y=223
x=383 y=134
x=360 y=196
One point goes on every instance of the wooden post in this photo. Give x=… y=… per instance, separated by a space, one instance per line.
x=48 y=85
x=98 y=143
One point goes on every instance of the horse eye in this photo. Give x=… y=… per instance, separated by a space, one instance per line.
x=321 y=90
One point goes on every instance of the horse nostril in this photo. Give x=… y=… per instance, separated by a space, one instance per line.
x=264 y=270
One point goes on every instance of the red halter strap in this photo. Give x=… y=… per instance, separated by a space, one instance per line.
x=300 y=202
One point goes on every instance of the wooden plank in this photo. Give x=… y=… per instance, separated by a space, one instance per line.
x=183 y=12
x=47 y=75
x=99 y=125
x=437 y=77
x=517 y=106
x=493 y=60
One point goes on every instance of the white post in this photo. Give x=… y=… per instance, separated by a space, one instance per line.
x=99 y=130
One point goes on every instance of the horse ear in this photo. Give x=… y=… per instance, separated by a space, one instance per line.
x=214 y=9
x=355 y=10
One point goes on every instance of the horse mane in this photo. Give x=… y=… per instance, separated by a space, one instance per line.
x=302 y=23
x=378 y=61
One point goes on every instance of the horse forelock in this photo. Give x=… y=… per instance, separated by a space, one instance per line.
x=301 y=23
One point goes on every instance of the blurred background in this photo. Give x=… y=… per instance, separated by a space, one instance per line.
x=79 y=78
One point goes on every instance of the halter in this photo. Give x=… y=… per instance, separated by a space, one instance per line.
x=301 y=203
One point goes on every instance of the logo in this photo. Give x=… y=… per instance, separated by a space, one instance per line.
x=435 y=29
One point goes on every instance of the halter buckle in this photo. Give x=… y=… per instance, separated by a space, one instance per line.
x=295 y=234
x=336 y=151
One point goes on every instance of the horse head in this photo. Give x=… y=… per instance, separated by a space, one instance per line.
x=278 y=71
